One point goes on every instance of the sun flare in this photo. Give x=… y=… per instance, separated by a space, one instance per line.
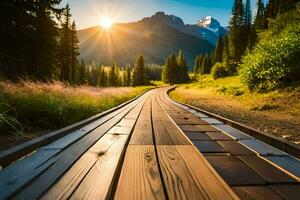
x=106 y=23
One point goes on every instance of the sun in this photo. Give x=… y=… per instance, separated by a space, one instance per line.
x=106 y=23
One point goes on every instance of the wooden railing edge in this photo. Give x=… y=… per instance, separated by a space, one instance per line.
x=10 y=155
x=272 y=140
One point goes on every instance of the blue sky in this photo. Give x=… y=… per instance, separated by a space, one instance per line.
x=88 y=13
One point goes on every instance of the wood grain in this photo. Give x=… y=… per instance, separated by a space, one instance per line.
x=142 y=133
x=187 y=175
x=68 y=183
x=140 y=178
x=165 y=131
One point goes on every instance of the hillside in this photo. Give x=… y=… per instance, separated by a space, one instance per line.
x=155 y=39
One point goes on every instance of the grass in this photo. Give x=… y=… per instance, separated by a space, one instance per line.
x=276 y=112
x=27 y=105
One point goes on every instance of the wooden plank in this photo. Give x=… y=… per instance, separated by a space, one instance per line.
x=120 y=130
x=165 y=131
x=236 y=148
x=127 y=122
x=289 y=192
x=201 y=128
x=219 y=136
x=62 y=162
x=189 y=121
x=288 y=163
x=201 y=115
x=142 y=133
x=234 y=171
x=140 y=177
x=262 y=148
x=15 y=176
x=106 y=151
x=271 y=173
x=97 y=183
x=212 y=121
x=209 y=147
x=234 y=133
x=188 y=176
x=256 y=193
x=197 y=136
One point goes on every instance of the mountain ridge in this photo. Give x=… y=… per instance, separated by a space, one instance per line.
x=155 y=37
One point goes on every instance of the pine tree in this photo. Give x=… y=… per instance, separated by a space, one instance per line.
x=139 y=72
x=226 y=52
x=248 y=13
x=252 y=38
x=239 y=30
x=218 y=54
x=28 y=35
x=198 y=63
x=113 y=77
x=182 y=71
x=81 y=76
x=169 y=70
x=74 y=53
x=260 y=20
x=127 y=76
x=66 y=46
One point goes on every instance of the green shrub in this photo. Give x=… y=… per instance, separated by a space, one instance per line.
x=219 y=70
x=274 y=62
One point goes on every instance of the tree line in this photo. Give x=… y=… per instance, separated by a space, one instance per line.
x=38 y=41
x=243 y=34
x=175 y=69
x=115 y=76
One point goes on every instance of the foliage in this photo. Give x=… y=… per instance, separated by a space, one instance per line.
x=175 y=69
x=218 y=54
x=219 y=70
x=274 y=61
x=153 y=72
x=139 y=76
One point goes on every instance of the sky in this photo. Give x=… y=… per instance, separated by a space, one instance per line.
x=89 y=13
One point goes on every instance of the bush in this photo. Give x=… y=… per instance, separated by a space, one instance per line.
x=274 y=61
x=219 y=70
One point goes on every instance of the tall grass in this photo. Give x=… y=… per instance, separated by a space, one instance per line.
x=52 y=105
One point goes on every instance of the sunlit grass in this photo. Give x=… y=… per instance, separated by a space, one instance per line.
x=53 y=105
x=230 y=88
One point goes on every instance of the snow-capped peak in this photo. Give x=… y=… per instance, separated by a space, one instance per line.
x=209 y=22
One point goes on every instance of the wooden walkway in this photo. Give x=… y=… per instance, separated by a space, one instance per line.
x=153 y=148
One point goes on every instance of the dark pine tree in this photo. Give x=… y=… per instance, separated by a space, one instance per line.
x=182 y=71
x=65 y=46
x=74 y=54
x=260 y=20
x=169 y=70
x=248 y=13
x=113 y=77
x=198 y=63
x=127 y=76
x=139 y=72
x=218 y=54
x=235 y=30
x=81 y=76
x=226 y=52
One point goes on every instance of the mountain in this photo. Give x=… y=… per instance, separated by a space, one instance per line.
x=213 y=25
x=154 y=37
x=207 y=28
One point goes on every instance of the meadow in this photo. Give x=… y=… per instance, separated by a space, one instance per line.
x=28 y=108
x=276 y=112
